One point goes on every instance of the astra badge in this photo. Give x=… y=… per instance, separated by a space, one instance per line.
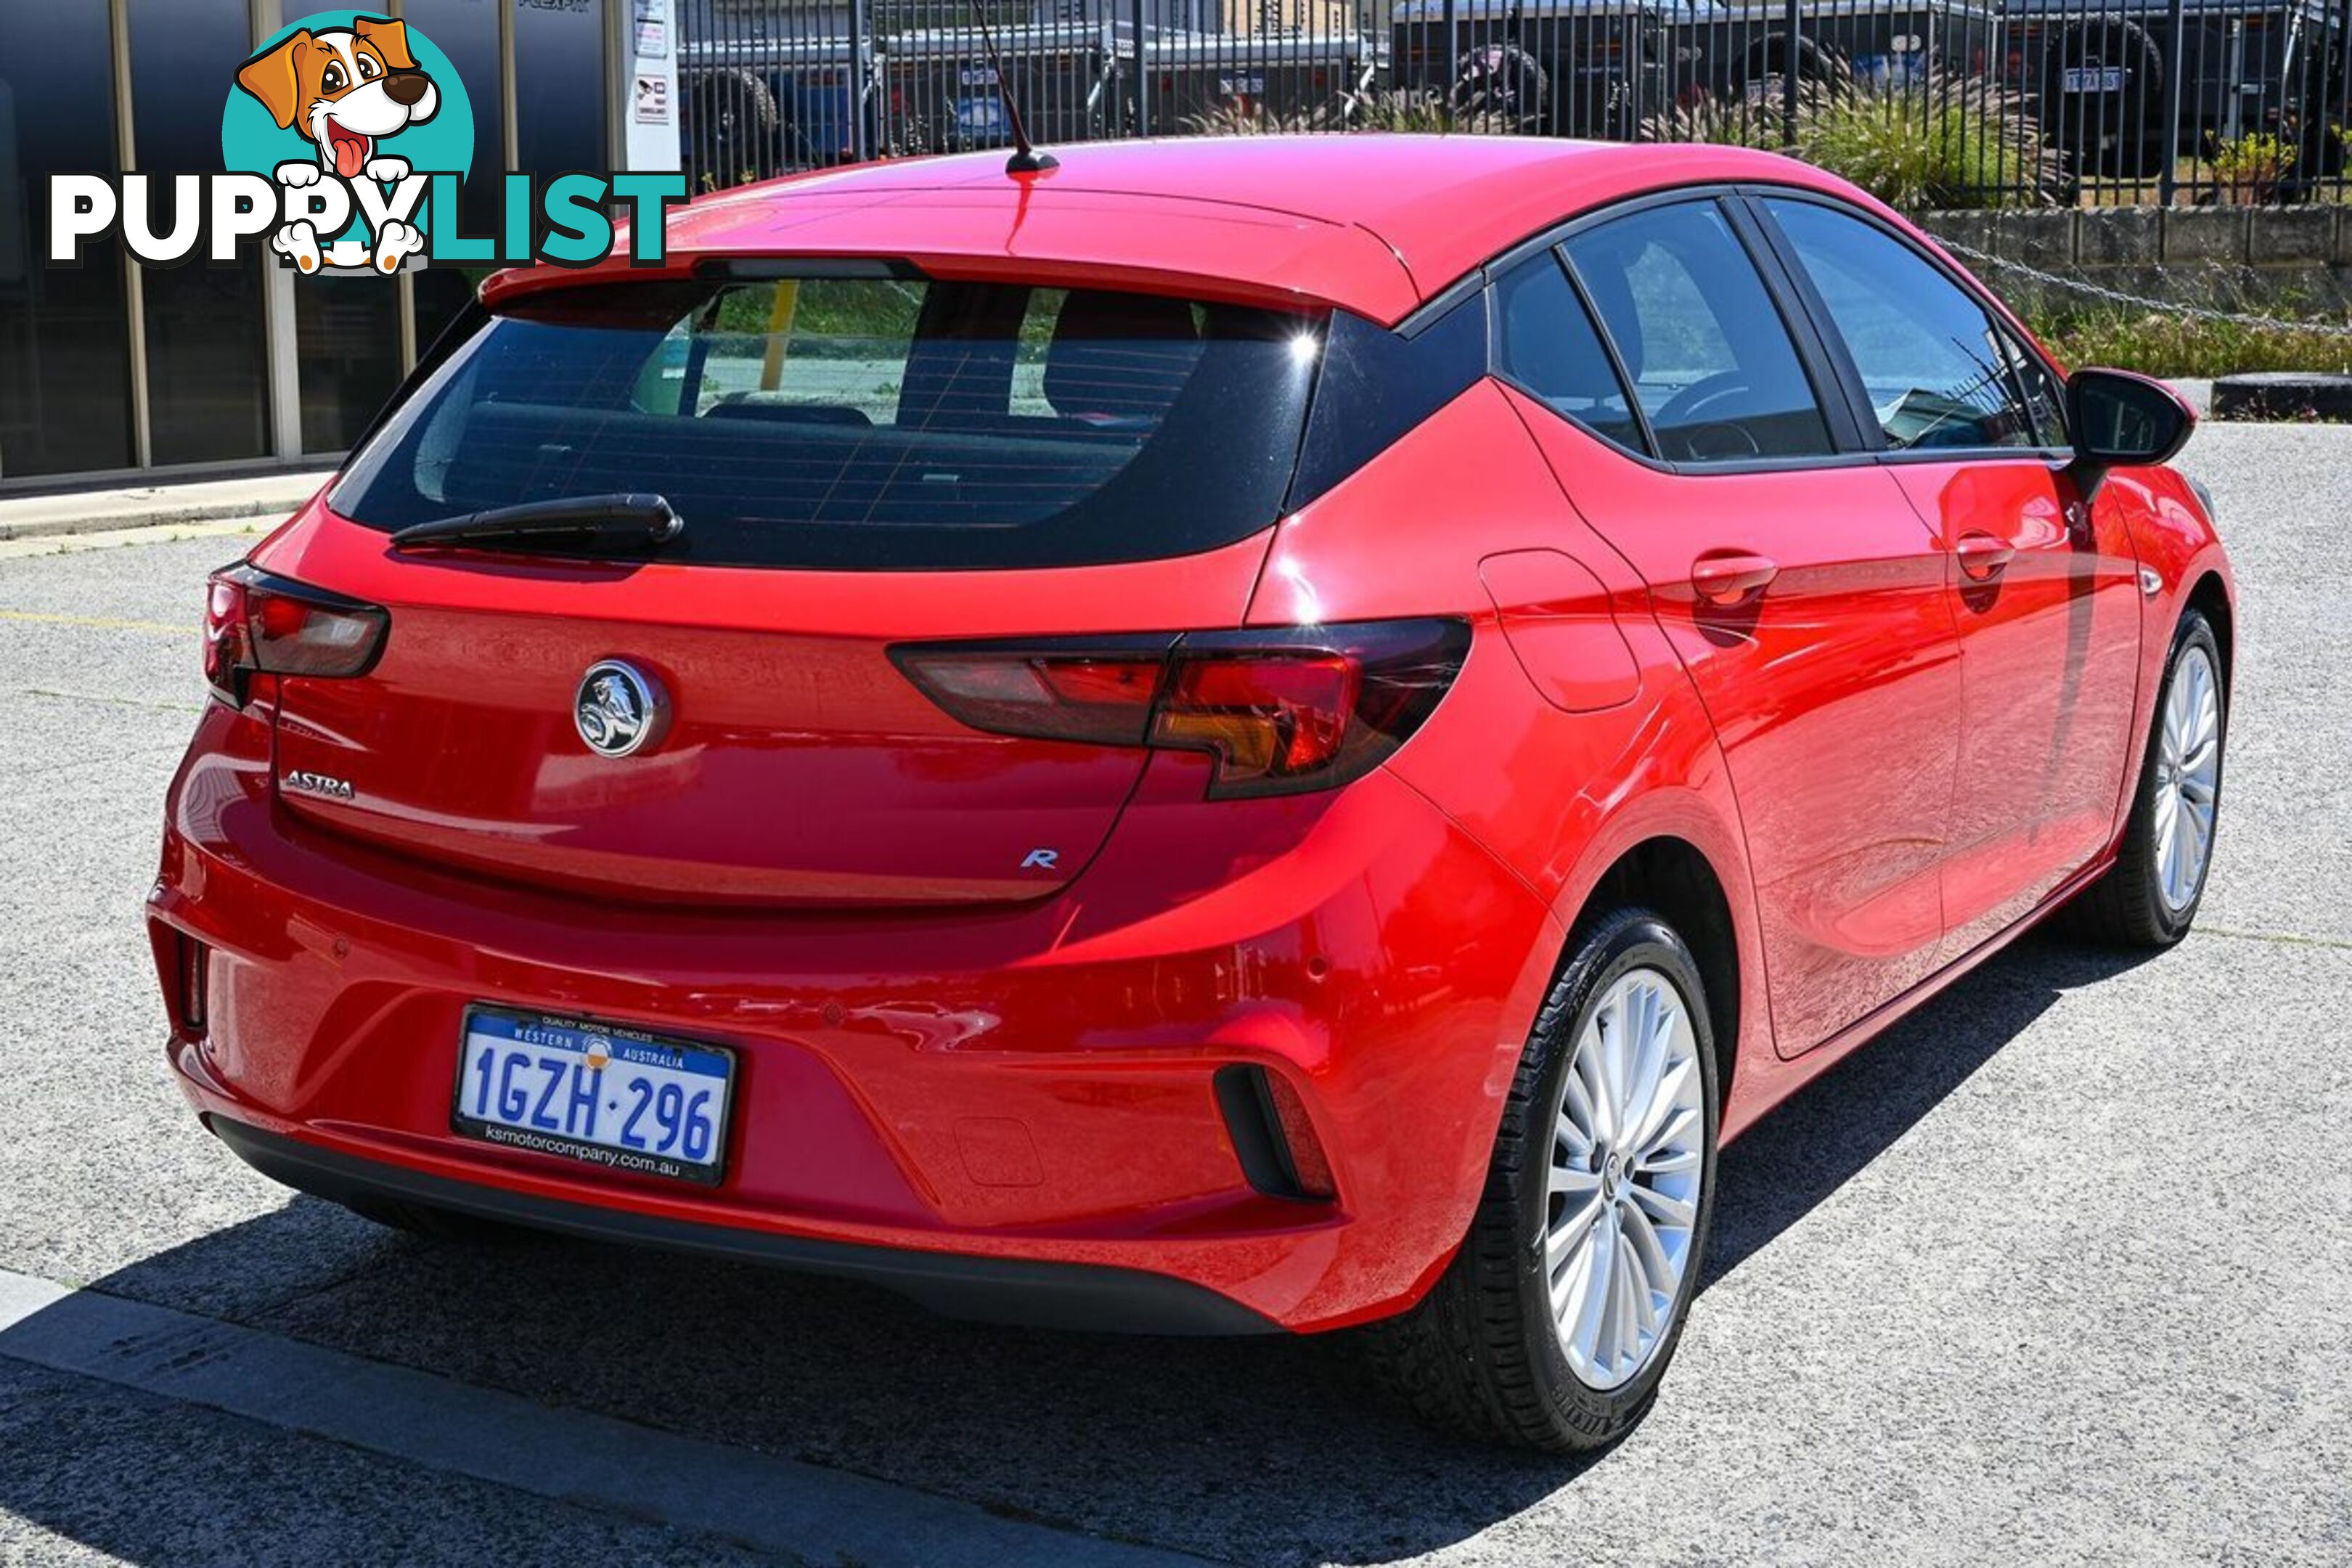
x=317 y=783
x=619 y=709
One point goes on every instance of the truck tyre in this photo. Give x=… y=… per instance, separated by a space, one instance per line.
x=1501 y=84
x=1770 y=61
x=734 y=135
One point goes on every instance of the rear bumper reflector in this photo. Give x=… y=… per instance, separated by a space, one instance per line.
x=1273 y=1138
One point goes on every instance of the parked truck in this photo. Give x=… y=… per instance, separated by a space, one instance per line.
x=1198 y=64
x=941 y=92
x=2118 y=83
x=768 y=90
x=1544 y=67
x=1605 y=67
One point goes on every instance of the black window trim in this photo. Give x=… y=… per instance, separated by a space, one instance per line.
x=1852 y=389
x=1997 y=318
x=1831 y=391
x=1769 y=250
x=1498 y=362
x=1805 y=330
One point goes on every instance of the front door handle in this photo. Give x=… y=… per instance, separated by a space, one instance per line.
x=1727 y=577
x=1983 y=556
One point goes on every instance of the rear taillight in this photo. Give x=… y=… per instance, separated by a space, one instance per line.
x=1283 y=712
x=256 y=623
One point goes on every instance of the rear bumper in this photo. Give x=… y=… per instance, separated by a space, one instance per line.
x=983 y=1092
x=986 y=1289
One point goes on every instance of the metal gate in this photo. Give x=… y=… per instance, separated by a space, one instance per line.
x=2027 y=101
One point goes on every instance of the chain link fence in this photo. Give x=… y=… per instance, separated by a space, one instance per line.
x=1929 y=103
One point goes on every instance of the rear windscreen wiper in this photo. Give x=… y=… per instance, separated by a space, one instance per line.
x=602 y=524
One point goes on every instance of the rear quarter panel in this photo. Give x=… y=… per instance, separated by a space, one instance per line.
x=1558 y=795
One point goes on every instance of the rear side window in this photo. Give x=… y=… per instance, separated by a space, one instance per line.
x=1545 y=342
x=1377 y=385
x=866 y=423
x=1938 y=370
x=1709 y=357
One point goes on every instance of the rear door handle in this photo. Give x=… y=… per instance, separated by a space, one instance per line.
x=1727 y=577
x=1983 y=556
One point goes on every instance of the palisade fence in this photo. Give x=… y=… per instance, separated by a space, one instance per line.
x=1928 y=102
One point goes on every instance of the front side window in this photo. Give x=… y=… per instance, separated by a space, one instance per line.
x=1937 y=370
x=2045 y=398
x=1710 y=359
x=865 y=423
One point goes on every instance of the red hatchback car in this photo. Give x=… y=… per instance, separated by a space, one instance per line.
x=1235 y=735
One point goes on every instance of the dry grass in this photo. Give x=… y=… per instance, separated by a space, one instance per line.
x=1394 y=109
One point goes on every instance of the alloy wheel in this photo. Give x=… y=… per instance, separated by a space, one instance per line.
x=2188 y=779
x=1622 y=1190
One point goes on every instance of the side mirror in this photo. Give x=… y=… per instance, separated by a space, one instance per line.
x=2119 y=420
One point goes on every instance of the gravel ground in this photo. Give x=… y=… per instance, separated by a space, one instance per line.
x=2062 y=1267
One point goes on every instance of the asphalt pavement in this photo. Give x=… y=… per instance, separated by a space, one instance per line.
x=2060 y=1270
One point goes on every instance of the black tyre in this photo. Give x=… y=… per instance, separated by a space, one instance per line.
x=732 y=135
x=1770 y=62
x=2149 y=897
x=1500 y=87
x=1554 y=1323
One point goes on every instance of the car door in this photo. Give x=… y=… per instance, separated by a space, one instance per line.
x=2044 y=588
x=1805 y=597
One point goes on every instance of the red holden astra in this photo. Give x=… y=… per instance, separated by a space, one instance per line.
x=1235 y=735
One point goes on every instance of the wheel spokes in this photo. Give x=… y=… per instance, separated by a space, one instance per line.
x=1624 y=1182
x=1675 y=1136
x=1665 y=1207
x=1667 y=1162
x=2188 y=784
x=1589 y=1299
x=1665 y=1101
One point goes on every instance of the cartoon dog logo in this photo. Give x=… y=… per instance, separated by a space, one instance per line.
x=347 y=90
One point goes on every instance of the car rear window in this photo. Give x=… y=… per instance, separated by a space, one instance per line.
x=869 y=423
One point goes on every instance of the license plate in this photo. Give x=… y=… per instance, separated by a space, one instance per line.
x=2102 y=79
x=598 y=1093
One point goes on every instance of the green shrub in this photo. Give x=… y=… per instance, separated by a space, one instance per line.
x=1935 y=142
x=2176 y=343
x=2248 y=168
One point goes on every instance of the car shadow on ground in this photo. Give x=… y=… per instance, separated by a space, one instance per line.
x=1264 y=1449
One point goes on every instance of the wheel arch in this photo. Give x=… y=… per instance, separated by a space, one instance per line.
x=2210 y=596
x=1673 y=877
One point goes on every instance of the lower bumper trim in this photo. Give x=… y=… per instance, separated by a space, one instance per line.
x=1074 y=1296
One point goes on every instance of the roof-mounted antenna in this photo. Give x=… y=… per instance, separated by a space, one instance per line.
x=1025 y=159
